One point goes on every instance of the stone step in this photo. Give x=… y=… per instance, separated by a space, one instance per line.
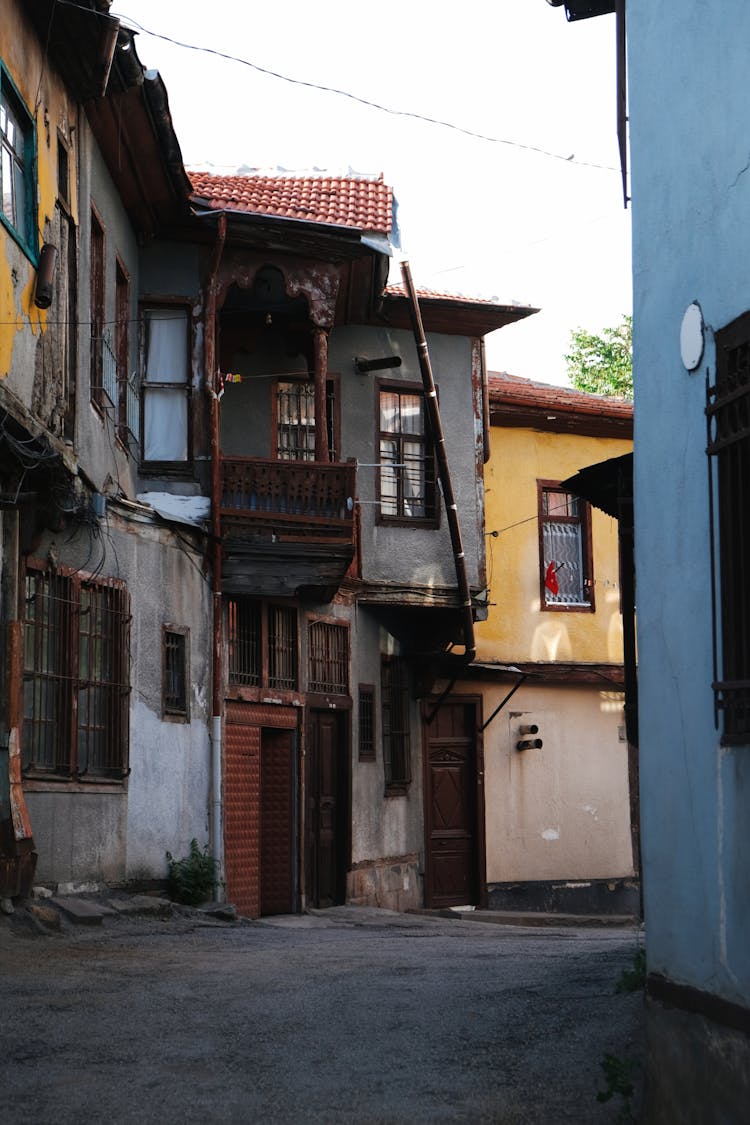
x=82 y=911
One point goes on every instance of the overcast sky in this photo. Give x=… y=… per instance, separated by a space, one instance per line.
x=489 y=218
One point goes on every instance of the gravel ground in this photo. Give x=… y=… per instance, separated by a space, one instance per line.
x=351 y=1015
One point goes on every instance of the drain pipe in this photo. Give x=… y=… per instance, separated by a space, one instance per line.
x=446 y=485
x=217 y=844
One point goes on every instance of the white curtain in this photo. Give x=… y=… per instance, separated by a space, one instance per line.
x=165 y=386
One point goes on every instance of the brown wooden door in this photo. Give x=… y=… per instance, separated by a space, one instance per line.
x=242 y=803
x=452 y=828
x=277 y=822
x=326 y=824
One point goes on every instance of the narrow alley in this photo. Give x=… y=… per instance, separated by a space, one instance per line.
x=348 y=1015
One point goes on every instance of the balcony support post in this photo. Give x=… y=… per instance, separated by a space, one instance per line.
x=320 y=352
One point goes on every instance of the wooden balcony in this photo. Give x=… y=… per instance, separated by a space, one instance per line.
x=287 y=526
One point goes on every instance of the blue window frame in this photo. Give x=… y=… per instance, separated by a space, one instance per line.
x=17 y=149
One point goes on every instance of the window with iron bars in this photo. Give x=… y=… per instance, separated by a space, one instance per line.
x=366 y=722
x=406 y=477
x=76 y=676
x=565 y=552
x=295 y=420
x=328 y=658
x=728 y=448
x=175 y=673
x=262 y=641
x=394 y=704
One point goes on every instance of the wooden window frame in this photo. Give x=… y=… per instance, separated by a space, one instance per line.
x=258 y=669
x=97 y=307
x=182 y=466
x=333 y=416
x=325 y=661
x=75 y=667
x=395 y=737
x=582 y=520
x=179 y=711
x=431 y=519
x=63 y=173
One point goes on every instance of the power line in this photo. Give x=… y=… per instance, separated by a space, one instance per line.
x=371 y=104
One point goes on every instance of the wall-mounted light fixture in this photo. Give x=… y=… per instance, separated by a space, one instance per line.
x=45 y=276
x=364 y=366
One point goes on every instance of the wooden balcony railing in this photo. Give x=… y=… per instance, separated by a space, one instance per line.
x=291 y=499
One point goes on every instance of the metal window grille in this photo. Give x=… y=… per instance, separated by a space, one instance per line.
x=328 y=658
x=394 y=692
x=109 y=370
x=76 y=676
x=728 y=420
x=133 y=407
x=245 y=642
x=296 y=422
x=562 y=516
x=282 y=647
x=407 y=470
x=175 y=677
x=366 y=722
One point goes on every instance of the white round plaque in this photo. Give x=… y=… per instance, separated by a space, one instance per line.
x=691 y=336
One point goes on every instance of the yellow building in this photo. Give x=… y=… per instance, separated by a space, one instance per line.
x=552 y=824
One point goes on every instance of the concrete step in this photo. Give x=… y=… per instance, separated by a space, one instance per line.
x=81 y=911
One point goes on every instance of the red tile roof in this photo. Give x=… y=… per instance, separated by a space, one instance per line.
x=461 y=298
x=345 y=201
x=512 y=390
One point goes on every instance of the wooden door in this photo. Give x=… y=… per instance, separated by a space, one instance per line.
x=326 y=809
x=242 y=805
x=452 y=806
x=277 y=822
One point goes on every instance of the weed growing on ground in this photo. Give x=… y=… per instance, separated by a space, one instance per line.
x=634 y=979
x=192 y=879
x=619 y=1077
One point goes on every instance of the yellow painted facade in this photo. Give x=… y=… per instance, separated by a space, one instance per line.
x=517 y=628
x=53 y=114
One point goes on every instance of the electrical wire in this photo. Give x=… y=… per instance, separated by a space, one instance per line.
x=571 y=159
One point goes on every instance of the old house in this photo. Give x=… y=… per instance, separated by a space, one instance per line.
x=690 y=195
x=105 y=605
x=336 y=579
x=552 y=783
x=231 y=560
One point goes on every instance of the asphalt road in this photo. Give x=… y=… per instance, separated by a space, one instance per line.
x=356 y=1016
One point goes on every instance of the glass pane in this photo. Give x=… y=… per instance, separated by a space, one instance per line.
x=7 y=184
x=166 y=346
x=412 y=420
x=165 y=425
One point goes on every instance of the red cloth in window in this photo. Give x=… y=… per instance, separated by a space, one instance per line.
x=550 y=579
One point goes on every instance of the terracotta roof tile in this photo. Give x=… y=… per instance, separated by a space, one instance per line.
x=440 y=295
x=513 y=390
x=357 y=202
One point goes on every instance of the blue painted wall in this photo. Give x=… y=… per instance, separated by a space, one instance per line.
x=690 y=158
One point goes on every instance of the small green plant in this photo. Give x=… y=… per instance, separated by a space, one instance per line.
x=192 y=879
x=632 y=980
x=619 y=1077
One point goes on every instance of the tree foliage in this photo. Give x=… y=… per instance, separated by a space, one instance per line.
x=603 y=365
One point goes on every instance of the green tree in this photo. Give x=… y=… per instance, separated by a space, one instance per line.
x=603 y=365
